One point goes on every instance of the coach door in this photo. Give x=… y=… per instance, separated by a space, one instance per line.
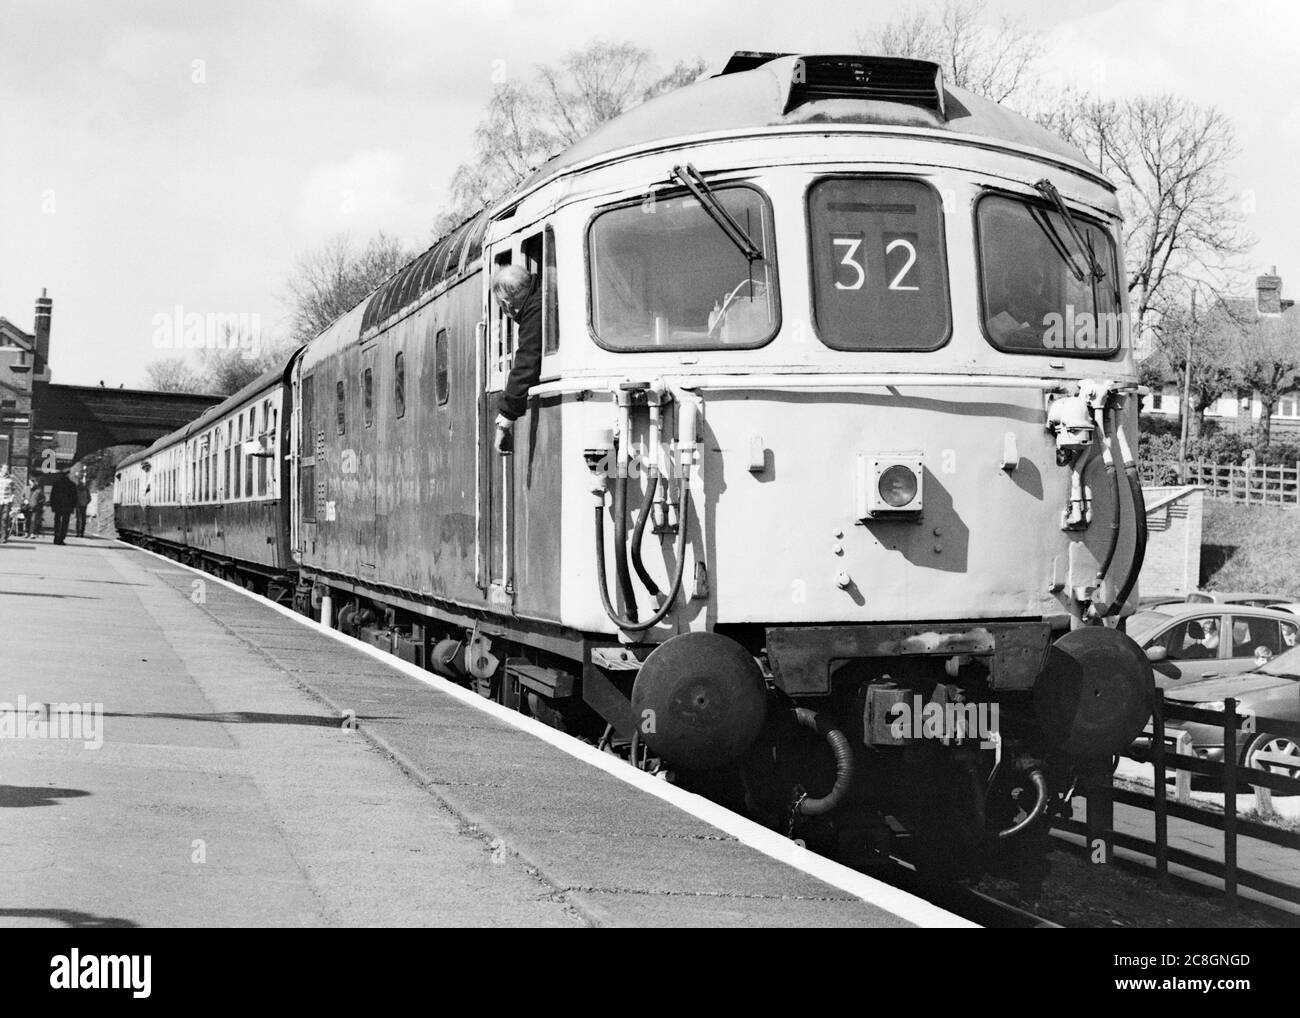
x=496 y=472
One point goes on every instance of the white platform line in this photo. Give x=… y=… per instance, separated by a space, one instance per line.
x=747 y=832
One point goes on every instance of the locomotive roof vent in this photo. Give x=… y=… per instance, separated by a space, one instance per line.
x=884 y=79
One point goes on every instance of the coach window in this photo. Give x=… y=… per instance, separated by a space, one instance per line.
x=246 y=456
x=1041 y=292
x=340 y=392
x=879 y=275
x=264 y=447
x=441 y=388
x=666 y=275
x=368 y=396
x=236 y=453
x=399 y=384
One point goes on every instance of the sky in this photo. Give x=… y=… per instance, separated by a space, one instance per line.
x=186 y=153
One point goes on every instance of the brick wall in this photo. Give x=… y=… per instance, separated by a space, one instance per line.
x=1173 y=559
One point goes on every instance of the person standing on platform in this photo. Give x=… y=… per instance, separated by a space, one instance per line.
x=35 y=507
x=83 y=500
x=8 y=493
x=63 y=500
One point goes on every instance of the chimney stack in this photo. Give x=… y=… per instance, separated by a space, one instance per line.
x=44 y=307
x=1268 y=291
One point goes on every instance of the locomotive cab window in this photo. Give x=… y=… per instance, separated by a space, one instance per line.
x=340 y=393
x=1042 y=292
x=665 y=273
x=879 y=275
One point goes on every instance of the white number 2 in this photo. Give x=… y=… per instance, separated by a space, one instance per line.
x=851 y=247
x=896 y=284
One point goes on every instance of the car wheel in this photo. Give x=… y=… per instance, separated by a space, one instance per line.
x=1274 y=745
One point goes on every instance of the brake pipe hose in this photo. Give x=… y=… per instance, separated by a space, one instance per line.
x=843 y=751
x=647 y=503
x=687 y=421
x=632 y=625
x=1101 y=416
x=1140 y=515
x=622 y=447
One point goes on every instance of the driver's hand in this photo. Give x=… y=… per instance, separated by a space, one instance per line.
x=504 y=439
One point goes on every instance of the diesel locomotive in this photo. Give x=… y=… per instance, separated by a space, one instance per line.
x=825 y=502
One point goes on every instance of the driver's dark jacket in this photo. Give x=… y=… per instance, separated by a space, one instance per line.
x=526 y=367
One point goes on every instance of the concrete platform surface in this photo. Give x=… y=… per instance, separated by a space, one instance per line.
x=213 y=780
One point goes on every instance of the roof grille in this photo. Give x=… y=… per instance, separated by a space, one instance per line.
x=884 y=79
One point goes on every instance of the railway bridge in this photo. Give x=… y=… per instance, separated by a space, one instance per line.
x=44 y=425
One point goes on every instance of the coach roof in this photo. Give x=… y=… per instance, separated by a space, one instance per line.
x=769 y=90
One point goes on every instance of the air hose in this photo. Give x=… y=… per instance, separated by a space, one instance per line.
x=1140 y=517
x=1100 y=415
x=807 y=805
x=632 y=624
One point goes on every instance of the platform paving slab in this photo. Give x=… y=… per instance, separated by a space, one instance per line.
x=229 y=791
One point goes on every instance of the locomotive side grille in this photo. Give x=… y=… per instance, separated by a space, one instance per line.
x=884 y=79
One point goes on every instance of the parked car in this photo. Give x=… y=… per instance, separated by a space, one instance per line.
x=1254 y=598
x=1152 y=600
x=1187 y=642
x=1270 y=691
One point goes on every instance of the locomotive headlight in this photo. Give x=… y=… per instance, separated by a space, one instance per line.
x=889 y=485
x=897 y=486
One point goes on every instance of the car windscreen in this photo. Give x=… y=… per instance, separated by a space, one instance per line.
x=1140 y=624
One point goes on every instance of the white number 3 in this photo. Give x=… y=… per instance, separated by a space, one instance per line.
x=851 y=247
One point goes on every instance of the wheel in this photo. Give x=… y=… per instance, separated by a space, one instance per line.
x=1276 y=745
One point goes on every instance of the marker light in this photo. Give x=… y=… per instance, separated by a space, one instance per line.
x=897 y=486
x=889 y=485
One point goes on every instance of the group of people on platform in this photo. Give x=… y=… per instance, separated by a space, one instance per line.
x=22 y=506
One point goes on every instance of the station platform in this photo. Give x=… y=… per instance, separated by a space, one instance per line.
x=235 y=765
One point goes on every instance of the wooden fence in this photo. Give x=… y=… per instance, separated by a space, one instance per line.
x=1232 y=775
x=1257 y=485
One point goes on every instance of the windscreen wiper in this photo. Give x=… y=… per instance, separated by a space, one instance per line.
x=691 y=179
x=1057 y=241
x=1046 y=188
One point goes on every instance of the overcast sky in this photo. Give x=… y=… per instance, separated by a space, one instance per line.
x=126 y=187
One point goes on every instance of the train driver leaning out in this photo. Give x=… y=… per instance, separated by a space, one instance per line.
x=518 y=292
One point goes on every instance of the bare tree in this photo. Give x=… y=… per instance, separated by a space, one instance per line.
x=1268 y=361
x=1170 y=158
x=1198 y=341
x=995 y=60
x=334 y=277
x=527 y=122
x=173 y=374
